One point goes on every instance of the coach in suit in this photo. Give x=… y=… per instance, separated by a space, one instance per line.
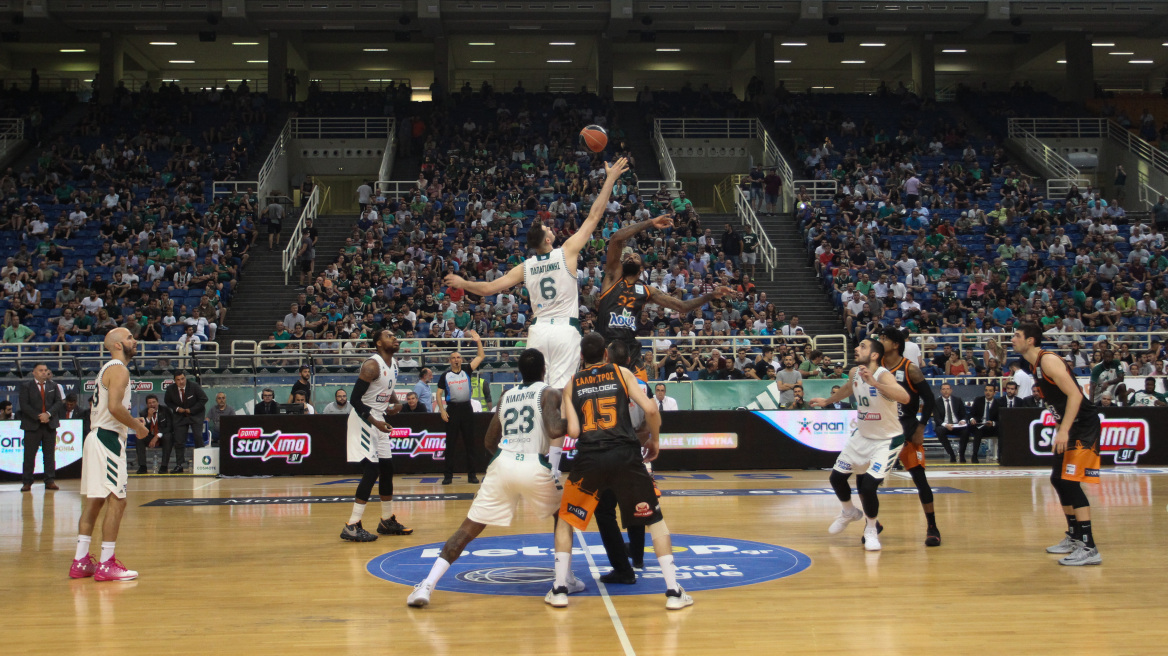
x=949 y=411
x=983 y=420
x=159 y=419
x=664 y=403
x=189 y=404
x=70 y=410
x=40 y=400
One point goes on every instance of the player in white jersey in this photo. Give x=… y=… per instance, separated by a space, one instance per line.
x=874 y=444
x=103 y=463
x=526 y=422
x=554 y=293
x=369 y=438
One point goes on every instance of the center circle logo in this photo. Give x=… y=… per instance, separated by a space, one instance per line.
x=521 y=565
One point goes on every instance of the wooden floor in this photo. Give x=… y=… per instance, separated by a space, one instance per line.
x=275 y=579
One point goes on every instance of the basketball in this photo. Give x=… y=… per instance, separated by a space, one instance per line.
x=595 y=137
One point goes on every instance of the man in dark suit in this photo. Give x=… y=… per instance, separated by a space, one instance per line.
x=40 y=399
x=70 y=410
x=268 y=405
x=948 y=413
x=842 y=405
x=160 y=420
x=983 y=420
x=189 y=404
x=1012 y=400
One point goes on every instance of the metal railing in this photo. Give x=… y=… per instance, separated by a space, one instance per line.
x=664 y=159
x=396 y=188
x=311 y=207
x=816 y=190
x=342 y=128
x=973 y=344
x=1060 y=173
x=1147 y=194
x=11 y=134
x=746 y=216
x=232 y=187
x=279 y=149
x=386 y=168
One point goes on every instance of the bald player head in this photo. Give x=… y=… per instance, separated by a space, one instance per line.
x=121 y=344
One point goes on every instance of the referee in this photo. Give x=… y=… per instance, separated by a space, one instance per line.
x=453 y=400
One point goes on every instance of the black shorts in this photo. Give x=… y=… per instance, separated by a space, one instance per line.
x=621 y=470
x=306 y=266
x=274 y=227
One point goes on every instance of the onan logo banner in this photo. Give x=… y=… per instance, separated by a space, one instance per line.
x=69 y=439
x=254 y=443
x=825 y=430
x=1123 y=438
x=523 y=565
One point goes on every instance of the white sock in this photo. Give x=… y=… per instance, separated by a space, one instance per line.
x=358 y=510
x=107 y=551
x=387 y=511
x=848 y=506
x=871 y=522
x=436 y=572
x=563 y=569
x=668 y=571
x=554 y=454
x=83 y=542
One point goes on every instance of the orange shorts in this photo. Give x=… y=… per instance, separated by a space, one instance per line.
x=1081 y=463
x=912 y=455
x=576 y=505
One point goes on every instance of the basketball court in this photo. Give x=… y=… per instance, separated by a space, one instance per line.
x=228 y=565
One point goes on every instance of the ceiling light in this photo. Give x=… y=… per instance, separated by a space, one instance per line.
x=872 y=45
x=182 y=61
x=257 y=61
x=1103 y=45
x=1061 y=61
x=163 y=43
x=853 y=61
x=482 y=61
x=954 y=51
x=172 y=80
x=559 y=61
x=481 y=43
x=233 y=80
x=822 y=87
x=624 y=87
x=669 y=50
x=792 y=44
x=562 y=43
x=782 y=61
x=376 y=50
x=1121 y=53
x=72 y=49
x=1141 y=61
x=245 y=43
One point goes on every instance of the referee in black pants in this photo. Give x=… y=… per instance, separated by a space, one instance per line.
x=453 y=400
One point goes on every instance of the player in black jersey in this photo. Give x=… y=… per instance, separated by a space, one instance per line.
x=608 y=456
x=912 y=454
x=1076 y=439
x=624 y=294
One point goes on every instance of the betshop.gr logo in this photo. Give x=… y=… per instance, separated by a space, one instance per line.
x=523 y=565
x=254 y=443
x=1123 y=438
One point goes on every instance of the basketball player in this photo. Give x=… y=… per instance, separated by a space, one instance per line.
x=103 y=462
x=1076 y=439
x=526 y=421
x=875 y=442
x=912 y=454
x=554 y=293
x=608 y=456
x=373 y=400
x=625 y=294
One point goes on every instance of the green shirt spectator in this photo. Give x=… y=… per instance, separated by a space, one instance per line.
x=17 y=334
x=681 y=204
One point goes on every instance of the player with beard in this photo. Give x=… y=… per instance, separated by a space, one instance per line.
x=625 y=295
x=912 y=454
x=368 y=435
x=103 y=462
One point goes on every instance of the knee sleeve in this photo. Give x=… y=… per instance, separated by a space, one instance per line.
x=1074 y=495
x=368 y=477
x=868 y=498
x=924 y=490
x=385 y=477
x=839 y=483
x=1056 y=480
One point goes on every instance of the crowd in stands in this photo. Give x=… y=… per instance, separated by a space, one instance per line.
x=114 y=224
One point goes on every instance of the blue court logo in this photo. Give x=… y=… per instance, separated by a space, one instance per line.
x=521 y=565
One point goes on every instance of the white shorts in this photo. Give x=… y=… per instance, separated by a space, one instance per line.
x=560 y=345
x=365 y=442
x=875 y=457
x=103 y=465
x=750 y=258
x=509 y=477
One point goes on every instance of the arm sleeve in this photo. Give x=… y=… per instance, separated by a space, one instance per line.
x=356 y=398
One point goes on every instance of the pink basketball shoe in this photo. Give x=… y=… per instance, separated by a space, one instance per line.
x=83 y=568
x=114 y=570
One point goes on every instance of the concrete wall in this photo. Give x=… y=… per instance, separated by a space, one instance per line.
x=1110 y=155
x=347 y=157
x=714 y=155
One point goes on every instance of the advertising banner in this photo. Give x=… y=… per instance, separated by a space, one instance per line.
x=1127 y=437
x=69 y=439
